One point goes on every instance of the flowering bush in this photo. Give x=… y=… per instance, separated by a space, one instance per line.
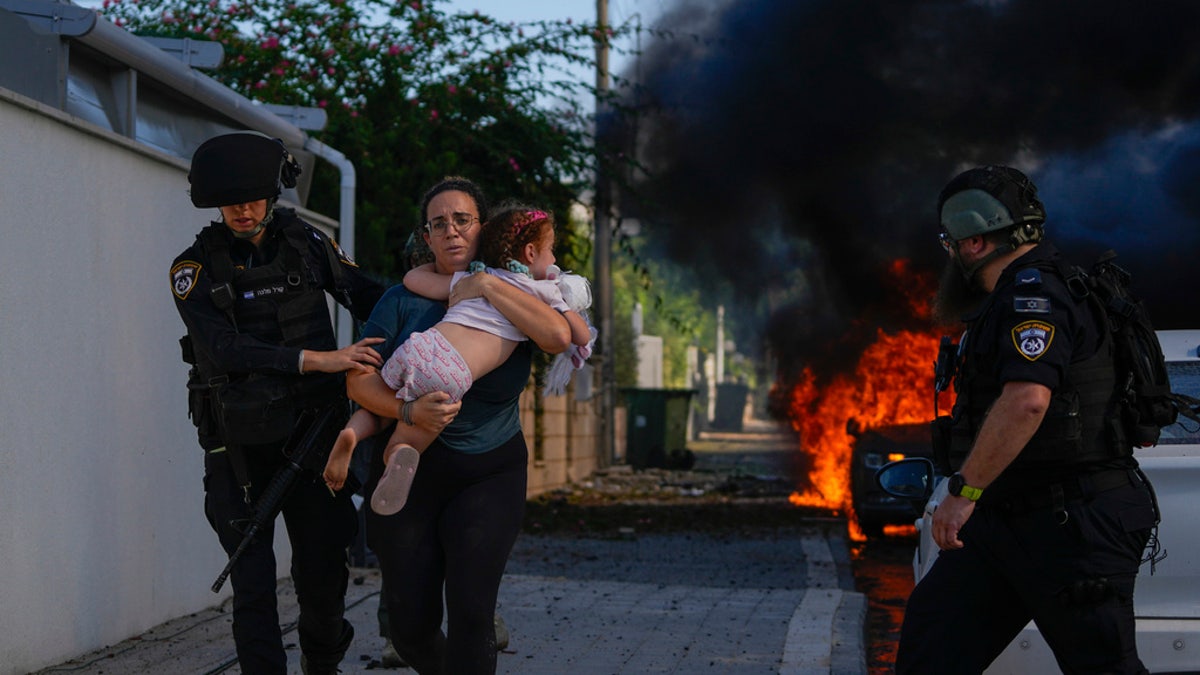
x=412 y=94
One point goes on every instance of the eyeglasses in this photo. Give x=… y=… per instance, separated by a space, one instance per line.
x=462 y=223
x=945 y=240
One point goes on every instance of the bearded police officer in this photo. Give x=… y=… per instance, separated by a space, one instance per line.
x=1048 y=515
x=252 y=292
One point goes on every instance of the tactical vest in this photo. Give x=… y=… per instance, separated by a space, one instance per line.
x=1077 y=427
x=283 y=303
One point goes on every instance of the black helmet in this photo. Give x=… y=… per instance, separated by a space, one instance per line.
x=240 y=167
x=988 y=199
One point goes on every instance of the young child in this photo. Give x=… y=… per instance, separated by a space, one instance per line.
x=471 y=340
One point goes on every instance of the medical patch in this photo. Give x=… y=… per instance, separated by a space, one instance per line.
x=1029 y=278
x=1031 y=305
x=1032 y=338
x=183 y=278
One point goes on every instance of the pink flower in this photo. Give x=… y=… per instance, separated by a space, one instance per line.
x=452 y=89
x=433 y=114
x=393 y=50
x=331 y=70
x=513 y=163
x=270 y=43
x=260 y=84
x=415 y=5
x=322 y=103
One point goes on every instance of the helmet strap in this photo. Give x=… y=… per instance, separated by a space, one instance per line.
x=970 y=272
x=262 y=224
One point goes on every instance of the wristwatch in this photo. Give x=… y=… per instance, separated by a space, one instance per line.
x=958 y=487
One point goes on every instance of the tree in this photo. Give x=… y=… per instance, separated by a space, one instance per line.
x=412 y=94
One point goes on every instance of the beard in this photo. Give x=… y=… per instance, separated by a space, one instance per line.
x=956 y=296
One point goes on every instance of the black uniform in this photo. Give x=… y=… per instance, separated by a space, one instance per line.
x=246 y=338
x=1058 y=537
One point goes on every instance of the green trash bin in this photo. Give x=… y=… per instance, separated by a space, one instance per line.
x=656 y=422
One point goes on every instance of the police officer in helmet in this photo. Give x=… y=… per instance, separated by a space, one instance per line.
x=1048 y=516
x=252 y=292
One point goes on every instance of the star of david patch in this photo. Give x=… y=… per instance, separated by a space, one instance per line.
x=183 y=278
x=1031 y=305
x=1033 y=338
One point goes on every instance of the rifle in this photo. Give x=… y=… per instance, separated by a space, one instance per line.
x=271 y=500
x=944 y=368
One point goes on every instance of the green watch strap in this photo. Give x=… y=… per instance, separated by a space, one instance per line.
x=972 y=493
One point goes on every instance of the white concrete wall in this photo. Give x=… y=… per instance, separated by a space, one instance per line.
x=102 y=531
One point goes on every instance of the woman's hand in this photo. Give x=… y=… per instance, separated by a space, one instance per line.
x=471 y=286
x=432 y=412
x=358 y=356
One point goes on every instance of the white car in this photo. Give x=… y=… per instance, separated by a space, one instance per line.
x=1166 y=603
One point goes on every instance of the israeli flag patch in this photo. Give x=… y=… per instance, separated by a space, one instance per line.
x=1031 y=305
x=1032 y=338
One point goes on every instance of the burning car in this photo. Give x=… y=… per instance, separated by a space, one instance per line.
x=873 y=448
x=1167 y=602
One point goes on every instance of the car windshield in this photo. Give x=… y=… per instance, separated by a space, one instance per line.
x=1185 y=379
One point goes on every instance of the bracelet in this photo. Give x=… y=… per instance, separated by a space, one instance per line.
x=406 y=413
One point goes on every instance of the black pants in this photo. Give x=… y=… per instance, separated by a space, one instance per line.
x=320 y=527
x=1074 y=578
x=454 y=535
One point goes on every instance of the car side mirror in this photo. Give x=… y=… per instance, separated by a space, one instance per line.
x=910 y=478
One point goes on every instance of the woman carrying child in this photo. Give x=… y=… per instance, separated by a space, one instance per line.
x=471 y=340
x=451 y=541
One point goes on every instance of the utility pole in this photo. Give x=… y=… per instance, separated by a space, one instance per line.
x=603 y=252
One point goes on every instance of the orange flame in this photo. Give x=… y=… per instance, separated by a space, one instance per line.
x=891 y=384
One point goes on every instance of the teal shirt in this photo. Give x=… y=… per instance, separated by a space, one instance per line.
x=489 y=415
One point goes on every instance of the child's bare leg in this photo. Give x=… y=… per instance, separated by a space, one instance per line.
x=362 y=424
x=400 y=466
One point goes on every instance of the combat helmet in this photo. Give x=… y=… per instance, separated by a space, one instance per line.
x=989 y=199
x=240 y=167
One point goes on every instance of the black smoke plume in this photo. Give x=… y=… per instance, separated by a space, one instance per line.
x=795 y=148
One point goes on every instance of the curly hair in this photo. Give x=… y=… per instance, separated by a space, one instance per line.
x=507 y=232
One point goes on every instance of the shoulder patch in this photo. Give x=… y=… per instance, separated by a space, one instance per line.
x=183 y=278
x=342 y=254
x=1029 y=277
x=1026 y=305
x=1032 y=338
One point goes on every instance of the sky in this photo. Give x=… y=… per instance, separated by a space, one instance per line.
x=619 y=11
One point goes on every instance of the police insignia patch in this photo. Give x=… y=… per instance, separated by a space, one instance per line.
x=1030 y=277
x=342 y=254
x=183 y=278
x=1032 y=338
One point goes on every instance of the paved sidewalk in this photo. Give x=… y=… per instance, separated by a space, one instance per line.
x=780 y=602
x=582 y=627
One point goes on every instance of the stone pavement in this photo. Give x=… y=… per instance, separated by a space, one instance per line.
x=639 y=603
